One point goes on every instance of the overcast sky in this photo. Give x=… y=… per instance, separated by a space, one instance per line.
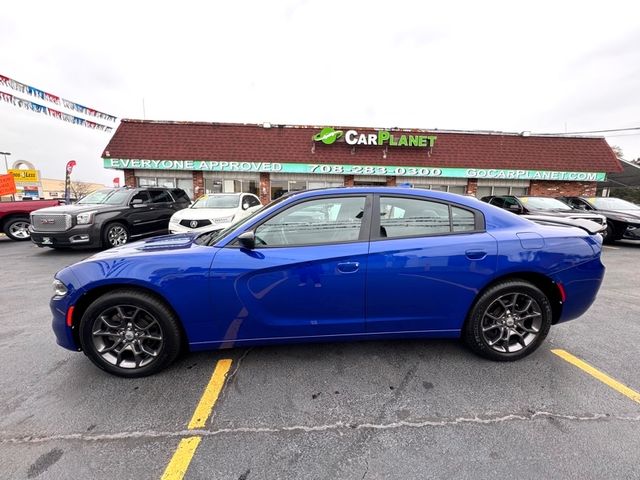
x=512 y=66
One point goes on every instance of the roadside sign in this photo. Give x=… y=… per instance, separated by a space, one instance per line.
x=7 y=185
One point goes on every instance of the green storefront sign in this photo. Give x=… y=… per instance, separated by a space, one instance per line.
x=328 y=169
x=329 y=136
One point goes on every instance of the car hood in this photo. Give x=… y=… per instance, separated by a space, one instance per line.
x=163 y=243
x=632 y=216
x=75 y=209
x=203 y=213
x=565 y=213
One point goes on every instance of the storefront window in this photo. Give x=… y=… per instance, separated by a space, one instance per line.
x=147 y=182
x=212 y=186
x=278 y=188
x=297 y=186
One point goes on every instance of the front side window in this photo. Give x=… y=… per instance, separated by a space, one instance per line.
x=327 y=220
x=251 y=201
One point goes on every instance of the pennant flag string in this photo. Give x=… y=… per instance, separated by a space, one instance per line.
x=35 y=107
x=34 y=92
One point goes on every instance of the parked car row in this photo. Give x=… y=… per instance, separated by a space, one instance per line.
x=113 y=217
x=621 y=218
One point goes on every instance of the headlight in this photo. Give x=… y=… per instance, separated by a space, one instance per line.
x=84 y=218
x=59 y=288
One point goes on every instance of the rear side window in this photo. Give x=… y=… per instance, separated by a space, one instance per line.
x=462 y=220
x=413 y=217
x=408 y=217
x=180 y=195
x=160 y=196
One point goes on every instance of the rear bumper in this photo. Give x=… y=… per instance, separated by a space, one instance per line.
x=581 y=285
x=87 y=236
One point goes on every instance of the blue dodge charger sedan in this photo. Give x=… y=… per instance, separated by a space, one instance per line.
x=327 y=265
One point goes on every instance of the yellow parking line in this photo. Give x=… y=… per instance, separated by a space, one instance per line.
x=210 y=395
x=181 y=459
x=594 y=372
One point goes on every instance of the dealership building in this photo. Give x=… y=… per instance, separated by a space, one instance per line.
x=269 y=160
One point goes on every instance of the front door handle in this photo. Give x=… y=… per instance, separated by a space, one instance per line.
x=348 y=267
x=476 y=254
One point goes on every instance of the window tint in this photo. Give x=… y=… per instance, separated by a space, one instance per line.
x=143 y=195
x=180 y=195
x=407 y=217
x=462 y=220
x=251 y=200
x=327 y=220
x=160 y=196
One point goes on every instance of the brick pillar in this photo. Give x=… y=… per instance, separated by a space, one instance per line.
x=472 y=186
x=391 y=181
x=129 y=178
x=265 y=188
x=348 y=180
x=198 y=184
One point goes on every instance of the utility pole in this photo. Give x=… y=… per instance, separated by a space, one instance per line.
x=6 y=167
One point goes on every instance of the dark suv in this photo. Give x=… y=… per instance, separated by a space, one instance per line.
x=107 y=218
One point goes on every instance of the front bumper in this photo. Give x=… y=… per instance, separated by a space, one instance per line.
x=65 y=335
x=86 y=236
x=177 y=228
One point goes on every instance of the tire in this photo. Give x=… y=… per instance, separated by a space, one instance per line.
x=515 y=331
x=130 y=333
x=608 y=235
x=17 y=229
x=114 y=235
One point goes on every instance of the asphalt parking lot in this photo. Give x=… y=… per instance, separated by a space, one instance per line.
x=390 y=409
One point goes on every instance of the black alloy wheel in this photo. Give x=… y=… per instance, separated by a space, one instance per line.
x=509 y=321
x=130 y=333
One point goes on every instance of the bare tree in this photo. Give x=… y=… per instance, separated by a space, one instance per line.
x=80 y=189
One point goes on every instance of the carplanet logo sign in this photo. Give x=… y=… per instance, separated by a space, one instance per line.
x=329 y=136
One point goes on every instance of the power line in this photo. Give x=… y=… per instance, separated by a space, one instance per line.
x=593 y=131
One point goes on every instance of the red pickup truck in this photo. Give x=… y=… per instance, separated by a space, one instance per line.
x=14 y=216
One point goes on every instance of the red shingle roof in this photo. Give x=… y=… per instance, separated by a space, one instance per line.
x=160 y=140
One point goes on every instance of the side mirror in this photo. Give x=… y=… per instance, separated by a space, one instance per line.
x=137 y=202
x=245 y=206
x=515 y=208
x=247 y=240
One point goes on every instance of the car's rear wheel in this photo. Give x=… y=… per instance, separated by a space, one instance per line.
x=130 y=333
x=17 y=229
x=509 y=321
x=115 y=234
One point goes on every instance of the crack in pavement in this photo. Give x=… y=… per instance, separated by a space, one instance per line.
x=153 y=434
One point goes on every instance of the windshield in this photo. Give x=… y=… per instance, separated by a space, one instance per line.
x=106 y=197
x=217 y=201
x=610 y=203
x=210 y=238
x=544 y=203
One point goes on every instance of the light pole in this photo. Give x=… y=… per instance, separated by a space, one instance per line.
x=6 y=167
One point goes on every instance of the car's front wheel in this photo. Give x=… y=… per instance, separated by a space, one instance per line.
x=115 y=234
x=509 y=321
x=130 y=333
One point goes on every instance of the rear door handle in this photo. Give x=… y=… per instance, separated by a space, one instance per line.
x=476 y=254
x=348 y=267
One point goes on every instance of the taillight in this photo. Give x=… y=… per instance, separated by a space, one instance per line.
x=70 y=316
x=563 y=294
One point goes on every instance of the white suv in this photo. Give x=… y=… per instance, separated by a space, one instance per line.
x=214 y=211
